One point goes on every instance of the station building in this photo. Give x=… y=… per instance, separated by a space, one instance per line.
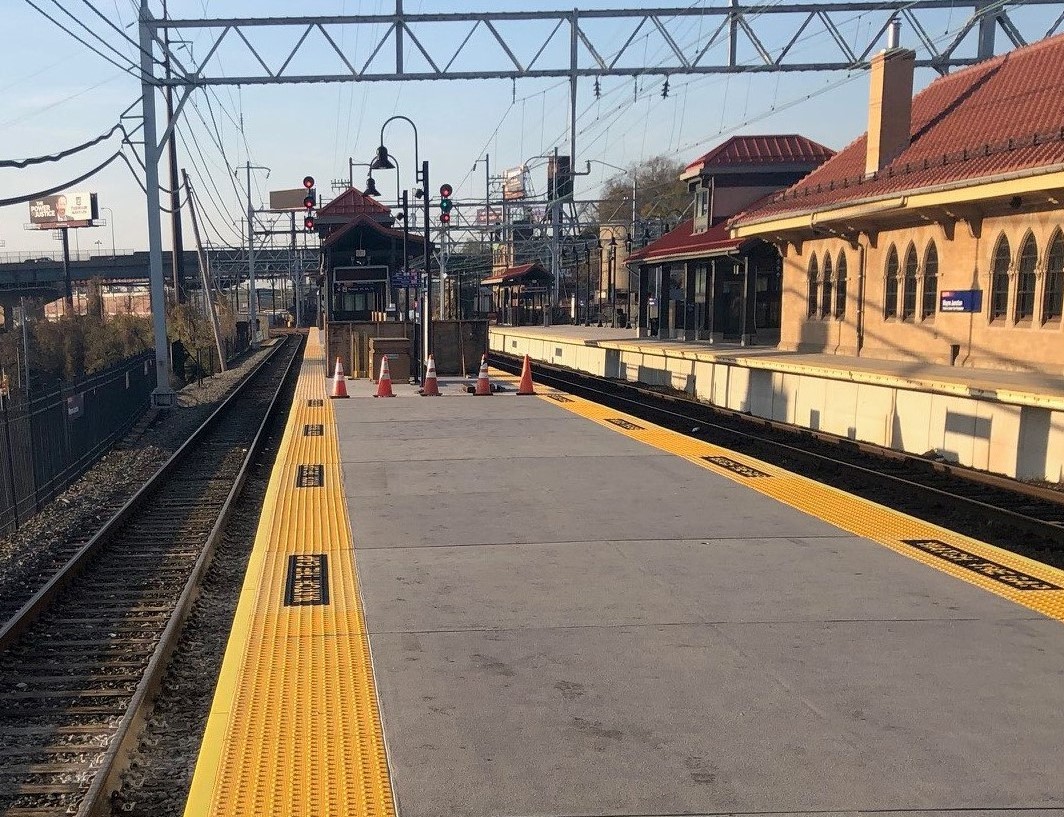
x=698 y=282
x=937 y=235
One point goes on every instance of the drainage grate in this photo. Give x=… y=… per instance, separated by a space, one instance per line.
x=977 y=564
x=561 y=398
x=617 y=421
x=315 y=402
x=737 y=467
x=313 y=430
x=310 y=476
x=307 y=582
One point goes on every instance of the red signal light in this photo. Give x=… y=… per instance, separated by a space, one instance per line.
x=445 y=218
x=308 y=182
x=308 y=202
x=446 y=191
x=308 y=223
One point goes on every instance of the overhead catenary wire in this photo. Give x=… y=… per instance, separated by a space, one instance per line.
x=27 y=197
x=55 y=157
x=129 y=68
x=121 y=33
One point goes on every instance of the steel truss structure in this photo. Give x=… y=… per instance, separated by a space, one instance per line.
x=573 y=44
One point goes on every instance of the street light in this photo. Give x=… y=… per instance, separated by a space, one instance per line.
x=371 y=190
x=111 y=222
x=383 y=161
x=631 y=230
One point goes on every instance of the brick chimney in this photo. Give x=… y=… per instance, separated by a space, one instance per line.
x=890 y=104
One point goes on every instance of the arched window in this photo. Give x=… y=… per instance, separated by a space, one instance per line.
x=929 y=303
x=908 y=301
x=814 y=278
x=890 y=301
x=1053 y=299
x=1026 y=279
x=999 y=280
x=825 y=290
x=840 y=287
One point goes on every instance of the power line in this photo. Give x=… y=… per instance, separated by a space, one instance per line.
x=22 y=199
x=134 y=71
x=121 y=33
x=55 y=157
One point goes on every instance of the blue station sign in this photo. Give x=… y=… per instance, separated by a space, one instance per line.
x=960 y=300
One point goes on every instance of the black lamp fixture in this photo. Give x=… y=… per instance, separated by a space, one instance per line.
x=371 y=187
x=381 y=161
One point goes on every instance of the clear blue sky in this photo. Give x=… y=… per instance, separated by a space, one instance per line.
x=57 y=93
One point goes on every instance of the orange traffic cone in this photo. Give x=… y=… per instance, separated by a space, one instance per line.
x=525 y=386
x=483 y=384
x=339 y=388
x=384 y=382
x=432 y=386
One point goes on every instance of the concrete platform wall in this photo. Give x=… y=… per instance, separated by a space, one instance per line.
x=1018 y=441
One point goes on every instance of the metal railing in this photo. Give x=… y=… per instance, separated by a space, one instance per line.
x=53 y=438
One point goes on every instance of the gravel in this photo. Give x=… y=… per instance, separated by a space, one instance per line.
x=46 y=541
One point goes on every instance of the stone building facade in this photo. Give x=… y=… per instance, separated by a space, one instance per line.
x=939 y=234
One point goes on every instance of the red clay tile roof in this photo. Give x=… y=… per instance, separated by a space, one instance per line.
x=1002 y=116
x=784 y=149
x=681 y=243
x=513 y=273
x=352 y=202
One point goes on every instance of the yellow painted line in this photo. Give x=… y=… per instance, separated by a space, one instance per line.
x=1029 y=583
x=295 y=729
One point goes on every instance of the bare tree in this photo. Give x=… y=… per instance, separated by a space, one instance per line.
x=659 y=192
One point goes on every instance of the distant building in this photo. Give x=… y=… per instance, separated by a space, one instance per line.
x=699 y=282
x=937 y=235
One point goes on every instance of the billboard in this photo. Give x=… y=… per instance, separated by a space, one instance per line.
x=513 y=183
x=486 y=215
x=288 y=199
x=77 y=209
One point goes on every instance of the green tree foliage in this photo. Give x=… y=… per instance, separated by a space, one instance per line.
x=659 y=192
x=74 y=346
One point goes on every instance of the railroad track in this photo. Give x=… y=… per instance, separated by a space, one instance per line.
x=1018 y=516
x=81 y=660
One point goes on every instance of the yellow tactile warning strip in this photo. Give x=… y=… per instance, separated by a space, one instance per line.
x=1017 y=578
x=295 y=728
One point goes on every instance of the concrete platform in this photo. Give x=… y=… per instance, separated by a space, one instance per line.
x=564 y=620
x=1008 y=422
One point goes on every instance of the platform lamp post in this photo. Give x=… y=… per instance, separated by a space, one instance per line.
x=403 y=202
x=586 y=251
x=598 y=280
x=631 y=231
x=111 y=223
x=421 y=175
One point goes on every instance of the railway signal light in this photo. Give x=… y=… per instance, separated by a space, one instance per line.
x=445 y=203
x=310 y=201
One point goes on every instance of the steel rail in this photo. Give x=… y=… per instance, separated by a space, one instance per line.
x=107 y=779
x=106 y=770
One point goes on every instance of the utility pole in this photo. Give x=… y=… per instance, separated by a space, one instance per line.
x=177 y=246
x=68 y=300
x=555 y=205
x=205 y=278
x=292 y=271
x=163 y=394
x=253 y=295
x=426 y=318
